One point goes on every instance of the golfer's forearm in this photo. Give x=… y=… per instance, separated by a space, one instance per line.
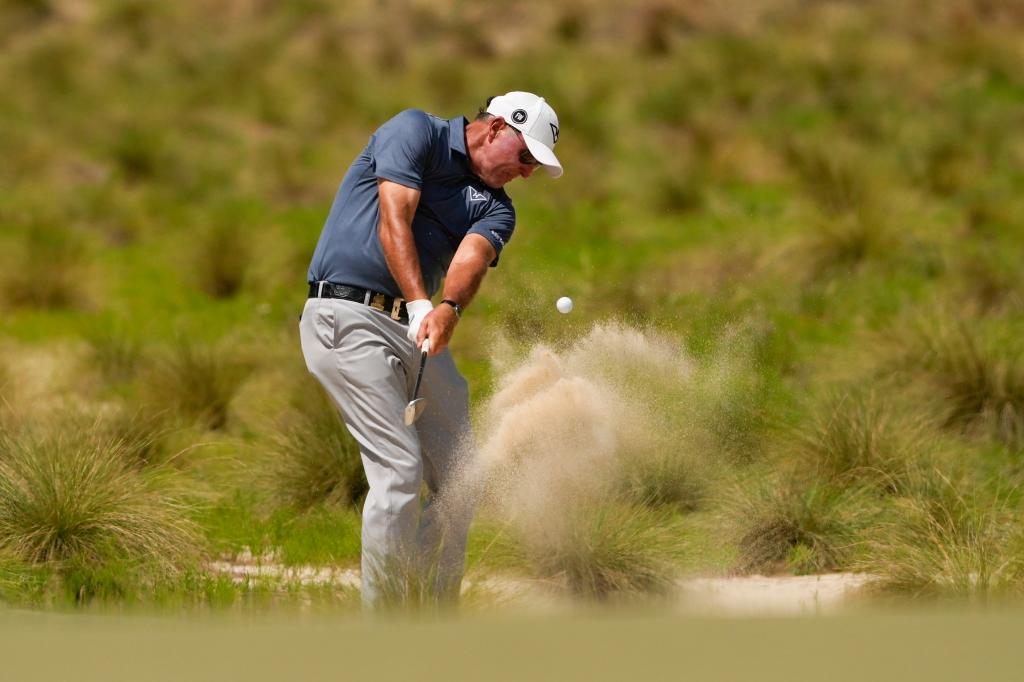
x=467 y=270
x=397 y=207
x=402 y=259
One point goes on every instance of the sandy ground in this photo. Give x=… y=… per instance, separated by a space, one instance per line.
x=739 y=596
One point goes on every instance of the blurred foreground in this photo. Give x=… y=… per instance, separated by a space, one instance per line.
x=928 y=646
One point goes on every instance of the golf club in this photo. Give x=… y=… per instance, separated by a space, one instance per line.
x=416 y=406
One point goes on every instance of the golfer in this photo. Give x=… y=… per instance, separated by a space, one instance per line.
x=422 y=206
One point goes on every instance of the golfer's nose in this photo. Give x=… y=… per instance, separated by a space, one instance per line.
x=526 y=170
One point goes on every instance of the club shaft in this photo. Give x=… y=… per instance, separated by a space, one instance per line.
x=419 y=375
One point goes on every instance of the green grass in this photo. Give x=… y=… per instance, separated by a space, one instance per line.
x=608 y=551
x=72 y=501
x=197 y=382
x=978 y=371
x=315 y=459
x=48 y=272
x=947 y=540
x=767 y=198
x=244 y=523
x=796 y=523
x=852 y=438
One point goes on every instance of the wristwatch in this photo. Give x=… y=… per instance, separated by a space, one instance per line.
x=455 y=306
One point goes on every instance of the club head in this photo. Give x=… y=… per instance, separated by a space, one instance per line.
x=414 y=409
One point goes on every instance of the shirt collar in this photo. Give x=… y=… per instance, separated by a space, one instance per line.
x=457 y=134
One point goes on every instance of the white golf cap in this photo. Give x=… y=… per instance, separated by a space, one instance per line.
x=536 y=120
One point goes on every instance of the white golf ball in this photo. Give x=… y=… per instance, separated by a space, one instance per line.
x=564 y=305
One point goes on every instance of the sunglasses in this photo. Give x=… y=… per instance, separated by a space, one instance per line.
x=525 y=157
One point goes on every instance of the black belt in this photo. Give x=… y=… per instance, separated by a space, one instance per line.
x=394 y=307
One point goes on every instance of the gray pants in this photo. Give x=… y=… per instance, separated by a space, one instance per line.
x=365 y=362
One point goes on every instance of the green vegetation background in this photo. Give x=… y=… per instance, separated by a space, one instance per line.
x=839 y=183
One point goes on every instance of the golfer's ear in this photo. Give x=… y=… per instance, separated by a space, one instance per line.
x=494 y=127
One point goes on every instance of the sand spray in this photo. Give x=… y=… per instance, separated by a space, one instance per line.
x=620 y=414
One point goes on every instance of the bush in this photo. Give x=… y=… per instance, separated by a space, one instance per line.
x=48 y=273
x=780 y=518
x=979 y=375
x=668 y=477
x=71 y=498
x=946 y=540
x=605 y=550
x=141 y=435
x=196 y=382
x=855 y=438
x=844 y=243
x=117 y=354
x=316 y=460
x=222 y=259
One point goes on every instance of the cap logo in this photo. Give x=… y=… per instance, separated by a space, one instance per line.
x=554 y=133
x=519 y=116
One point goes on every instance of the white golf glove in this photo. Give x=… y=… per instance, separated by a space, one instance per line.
x=417 y=310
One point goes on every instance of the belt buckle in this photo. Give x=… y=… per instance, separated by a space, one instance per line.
x=396 y=309
x=377 y=302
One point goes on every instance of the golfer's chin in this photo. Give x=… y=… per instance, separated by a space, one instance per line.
x=497 y=181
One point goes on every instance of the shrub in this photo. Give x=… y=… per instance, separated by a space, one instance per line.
x=835 y=176
x=946 y=540
x=605 y=550
x=48 y=273
x=71 y=498
x=196 y=382
x=142 y=435
x=115 y=353
x=990 y=279
x=669 y=477
x=412 y=585
x=137 y=151
x=786 y=516
x=981 y=377
x=846 y=242
x=854 y=437
x=316 y=460
x=222 y=259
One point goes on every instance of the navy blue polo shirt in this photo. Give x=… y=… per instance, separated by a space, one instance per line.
x=424 y=152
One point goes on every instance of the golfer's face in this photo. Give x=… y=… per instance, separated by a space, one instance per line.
x=507 y=158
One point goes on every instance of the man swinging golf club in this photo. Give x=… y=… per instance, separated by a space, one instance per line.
x=422 y=203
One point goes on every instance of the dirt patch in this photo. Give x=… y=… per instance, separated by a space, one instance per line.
x=739 y=596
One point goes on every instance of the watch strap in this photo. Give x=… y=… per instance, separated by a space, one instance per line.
x=455 y=306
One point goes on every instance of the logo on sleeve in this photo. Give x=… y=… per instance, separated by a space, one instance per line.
x=474 y=195
x=519 y=116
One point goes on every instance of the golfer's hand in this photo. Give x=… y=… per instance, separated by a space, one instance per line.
x=418 y=311
x=438 y=326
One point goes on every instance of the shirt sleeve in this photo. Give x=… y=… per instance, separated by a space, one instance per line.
x=496 y=227
x=402 y=147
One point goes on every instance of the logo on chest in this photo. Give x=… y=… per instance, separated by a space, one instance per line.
x=475 y=195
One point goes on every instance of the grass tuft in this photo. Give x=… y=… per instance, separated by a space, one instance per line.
x=411 y=584
x=781 y=519
x=667 y=478
x=222 y=259
x=71 y=498
x=857 y=438
x=316 y=460
x=48 y=273
x=117 y=355
x=608 y=550
x=196 y=382
x=981 y=377
x=945 y=540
